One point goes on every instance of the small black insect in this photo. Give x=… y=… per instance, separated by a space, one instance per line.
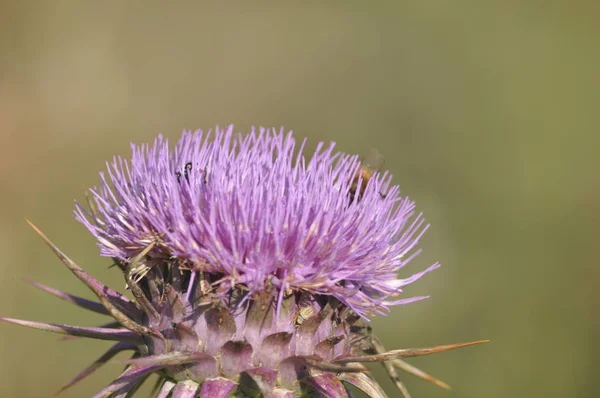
x=186 y=173
x=187 y=170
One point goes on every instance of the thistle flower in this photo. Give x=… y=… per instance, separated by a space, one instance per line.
x=253 y=270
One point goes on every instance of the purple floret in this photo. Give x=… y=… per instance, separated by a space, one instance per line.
x=252 y=209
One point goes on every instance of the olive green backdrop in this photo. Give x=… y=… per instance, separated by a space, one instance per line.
x=486 y=111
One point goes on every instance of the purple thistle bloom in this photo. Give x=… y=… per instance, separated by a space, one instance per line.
x=253 y=270
x=251 y=209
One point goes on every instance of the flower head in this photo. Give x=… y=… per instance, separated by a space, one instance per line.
x=253 y=269
x=252 y=209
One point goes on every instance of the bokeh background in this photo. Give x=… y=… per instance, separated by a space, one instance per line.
x=487 y=114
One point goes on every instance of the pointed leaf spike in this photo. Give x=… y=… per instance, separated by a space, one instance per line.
x=393 y=375
x=168 y=359
x=129 y=377
x=90 y=332
x=78 y=301
x=94 y=286
x=108 y=325
x=336 y=367
x=389 y=368
x=408 y=368
x=114 y=350
x=88 y=280
x=129 y=391
x=408 y=352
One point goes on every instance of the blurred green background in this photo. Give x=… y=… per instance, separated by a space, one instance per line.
x=487 y=114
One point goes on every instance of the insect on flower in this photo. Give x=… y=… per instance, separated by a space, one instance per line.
x=371 y=164
x=187 y=171
x=303 y=314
